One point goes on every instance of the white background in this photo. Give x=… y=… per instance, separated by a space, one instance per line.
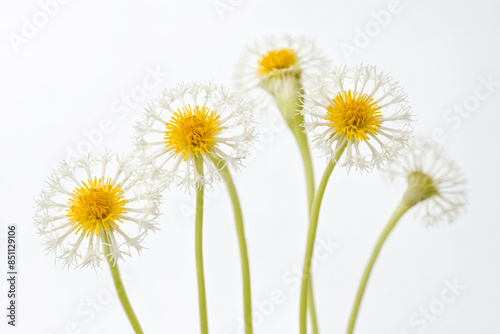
x=77 y=68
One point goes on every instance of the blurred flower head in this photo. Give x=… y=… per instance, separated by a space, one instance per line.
x=278 y=65
x=194 y=124
x=435 y=182
x=97 y=200
x=360 y=108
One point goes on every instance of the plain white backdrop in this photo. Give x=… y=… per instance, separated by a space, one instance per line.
x=80 y=76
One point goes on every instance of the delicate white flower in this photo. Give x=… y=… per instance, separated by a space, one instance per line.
x=96 y=200
x=194 y=123
x=434 y=181
x=278 y=65
x=362 y=108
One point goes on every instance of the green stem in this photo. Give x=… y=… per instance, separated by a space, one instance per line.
x=311 y=237
x=120 y=289
x=199 y=250
x=312 y=307
x=398 y=213
x=245 y=268
x=301 y=139
x=289 y=103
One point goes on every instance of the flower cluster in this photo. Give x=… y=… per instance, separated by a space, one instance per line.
x=102 y=206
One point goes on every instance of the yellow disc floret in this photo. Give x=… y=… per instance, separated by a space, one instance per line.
x=97 y=204
x=354 y=115
x=277 y=60
x=192 y=130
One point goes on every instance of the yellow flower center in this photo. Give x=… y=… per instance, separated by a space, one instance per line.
x=277 y=60
x=192 y=130
x=97 y=203
x=354 y=115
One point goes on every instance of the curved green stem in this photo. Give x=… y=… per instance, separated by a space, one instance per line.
x=245 y=268
x=289 y=103
x=301 y=138
x=312 y=307
x=120 y=289
x=398 y=213
x=311 y=237
x=199 y=250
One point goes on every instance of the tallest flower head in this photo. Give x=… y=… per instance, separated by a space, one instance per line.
x=279 y=65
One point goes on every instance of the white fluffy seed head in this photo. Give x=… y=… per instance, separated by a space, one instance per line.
x=449 y=199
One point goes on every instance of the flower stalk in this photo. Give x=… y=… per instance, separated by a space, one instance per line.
x=401 y=209
x=199 y=250
x=311 y=238
x=290 y=105
x=120 y=289
x=432 y=178
x=245 y=267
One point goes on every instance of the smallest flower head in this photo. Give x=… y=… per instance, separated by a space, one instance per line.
x=97 y=200
x=434 y=181
x=279 y=66
x=192 y=131
x=361 y=109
